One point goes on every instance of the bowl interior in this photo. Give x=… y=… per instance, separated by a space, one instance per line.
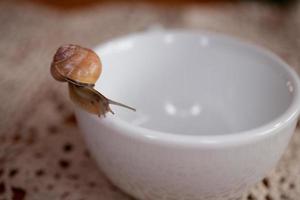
x=193 y=83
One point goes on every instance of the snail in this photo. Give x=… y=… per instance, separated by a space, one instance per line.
x=81 y=68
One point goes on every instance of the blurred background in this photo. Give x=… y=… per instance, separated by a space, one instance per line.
x=39 y=140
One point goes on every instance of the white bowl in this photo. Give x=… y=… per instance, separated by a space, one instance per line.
x=214 y=115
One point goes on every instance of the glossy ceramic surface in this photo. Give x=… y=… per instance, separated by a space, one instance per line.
x=214 y=114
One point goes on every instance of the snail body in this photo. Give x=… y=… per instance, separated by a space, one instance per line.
x=89 y=100
x=81 y=68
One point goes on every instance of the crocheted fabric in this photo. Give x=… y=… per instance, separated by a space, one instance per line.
x=42 y=153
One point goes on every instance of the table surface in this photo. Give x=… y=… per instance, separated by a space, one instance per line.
x=42 y=154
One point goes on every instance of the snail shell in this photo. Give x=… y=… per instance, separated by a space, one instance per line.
x=76 y=64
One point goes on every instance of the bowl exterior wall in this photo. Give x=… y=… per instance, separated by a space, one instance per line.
x=150 y=169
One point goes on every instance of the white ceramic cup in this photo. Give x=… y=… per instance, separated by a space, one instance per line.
x=214 y=115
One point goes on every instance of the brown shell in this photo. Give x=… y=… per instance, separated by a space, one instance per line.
x=76 y=64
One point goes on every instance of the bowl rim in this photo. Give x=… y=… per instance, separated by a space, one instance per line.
x=250 y=135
